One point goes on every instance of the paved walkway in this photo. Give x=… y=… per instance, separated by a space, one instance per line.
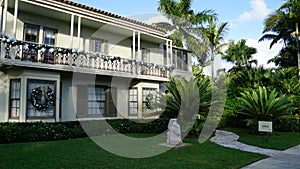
x=288 y=159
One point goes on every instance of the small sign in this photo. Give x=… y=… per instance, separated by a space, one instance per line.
x=265 y=126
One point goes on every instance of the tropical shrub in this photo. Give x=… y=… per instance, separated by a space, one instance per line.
x=40 y=131
x=259 y=105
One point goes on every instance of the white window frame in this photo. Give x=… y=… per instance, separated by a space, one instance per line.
x=103 y=48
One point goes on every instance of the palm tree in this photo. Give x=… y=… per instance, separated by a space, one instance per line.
x=214 y=35
x=239 y=54
x=183 y=19
x=261 y=105
x=283 y=25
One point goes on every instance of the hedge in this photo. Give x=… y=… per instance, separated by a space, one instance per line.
x=40 y=131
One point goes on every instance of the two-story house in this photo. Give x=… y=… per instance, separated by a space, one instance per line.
x=64 y=61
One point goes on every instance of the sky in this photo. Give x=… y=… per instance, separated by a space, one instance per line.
x=245 y=18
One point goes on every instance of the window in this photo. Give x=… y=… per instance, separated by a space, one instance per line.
x=31 y=33
x=99 y=46
x=49 y=39
x=42 y=98
x=50 y=36
x=185 y=61
x=180 y=59
x=148 y=93
x=14 y=100
x=96 y=100
x=93 y=101
x=145 y=55
x=133 y=102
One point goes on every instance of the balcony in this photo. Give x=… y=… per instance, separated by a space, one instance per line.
x=28 y=54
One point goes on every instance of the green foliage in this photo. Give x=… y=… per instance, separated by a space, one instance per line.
x=39 y=131
x=239 y=53
x=198 y=125
x=247 y=77
x=261 y=105
x=183 y=100
x=279 y=26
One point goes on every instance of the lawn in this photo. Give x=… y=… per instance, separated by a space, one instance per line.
x=278 y=141
x=84 y=153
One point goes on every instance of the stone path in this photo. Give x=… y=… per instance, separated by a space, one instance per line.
x=288 y=159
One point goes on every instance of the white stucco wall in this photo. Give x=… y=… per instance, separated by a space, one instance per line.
x=4 y=88
x=119 y=44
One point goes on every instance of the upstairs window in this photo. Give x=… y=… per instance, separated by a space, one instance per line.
x=31 y=33
x=99 y=46
x=50 y=36
x=145 y=55
x=180 y=59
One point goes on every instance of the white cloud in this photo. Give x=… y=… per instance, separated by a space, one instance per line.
x=158 y=19
x=264 y=53
x=259 y=11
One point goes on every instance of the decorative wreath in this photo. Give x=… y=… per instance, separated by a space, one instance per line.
x=148 y=100
x=42 y=97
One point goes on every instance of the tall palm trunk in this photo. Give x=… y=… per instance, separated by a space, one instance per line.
x=298 y=50
x=212 y=65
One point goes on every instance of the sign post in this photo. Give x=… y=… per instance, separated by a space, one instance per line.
x=265 y=126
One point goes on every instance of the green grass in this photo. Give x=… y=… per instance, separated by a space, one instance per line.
x=84 y=153
x=278 y=141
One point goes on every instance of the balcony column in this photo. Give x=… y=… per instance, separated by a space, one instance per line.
x=4 y=20
x=139 y=58
x=133 y=46
x=171 y=51
x=79 y=32
x=167 y=53
x=15 y=19
x=139 y=47
x=72 y=30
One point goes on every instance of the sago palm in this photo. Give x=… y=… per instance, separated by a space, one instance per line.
x=261 y=105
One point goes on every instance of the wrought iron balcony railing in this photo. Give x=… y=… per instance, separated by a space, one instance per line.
x=45 y=54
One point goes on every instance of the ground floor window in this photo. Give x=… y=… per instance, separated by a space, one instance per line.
x=96 y=101
x=41 y=98
x=14 y=100
x=133 y=102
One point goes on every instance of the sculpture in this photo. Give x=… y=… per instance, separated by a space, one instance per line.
x=174 y=133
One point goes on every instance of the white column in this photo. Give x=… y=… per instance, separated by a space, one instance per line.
x=171 y=53
x=15 y=19
x=72 y=31
x=79 y=32
x=133 y=46
x=139 y=46
x=167 y=53
x=4 y=16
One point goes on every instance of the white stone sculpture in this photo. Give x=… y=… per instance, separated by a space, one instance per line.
x=174 y=133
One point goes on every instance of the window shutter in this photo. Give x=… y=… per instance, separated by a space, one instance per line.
x=82 y=106
x=104 y=46
x=110 y=108
x=92 y=45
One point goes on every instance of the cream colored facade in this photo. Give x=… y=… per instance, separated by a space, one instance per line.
x=86 y=58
